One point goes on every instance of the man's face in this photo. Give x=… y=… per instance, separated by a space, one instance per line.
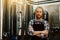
x=39 y=13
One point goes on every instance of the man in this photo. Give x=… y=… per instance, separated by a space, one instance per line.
x=38 y=27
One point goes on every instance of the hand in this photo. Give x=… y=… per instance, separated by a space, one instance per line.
x=38 y=35
x=44 y=35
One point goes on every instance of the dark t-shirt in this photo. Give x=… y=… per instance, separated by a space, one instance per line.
x=46 y=24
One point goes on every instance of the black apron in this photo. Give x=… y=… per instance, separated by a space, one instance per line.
x=38 y=27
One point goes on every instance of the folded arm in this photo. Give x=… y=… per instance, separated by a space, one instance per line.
x=37 y=33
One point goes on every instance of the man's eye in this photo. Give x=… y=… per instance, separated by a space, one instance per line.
x=40 y=11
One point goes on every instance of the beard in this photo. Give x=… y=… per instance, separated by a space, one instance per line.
x=38 y=17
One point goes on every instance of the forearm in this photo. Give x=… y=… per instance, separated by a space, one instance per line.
x=44 y=32
x=36 y=32
x=41 y=33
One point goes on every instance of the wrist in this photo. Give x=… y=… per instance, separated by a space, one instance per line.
x=40 y=32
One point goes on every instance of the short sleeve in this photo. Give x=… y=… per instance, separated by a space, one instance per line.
x=46 y=24
x=30 y=32
x=31 y=22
